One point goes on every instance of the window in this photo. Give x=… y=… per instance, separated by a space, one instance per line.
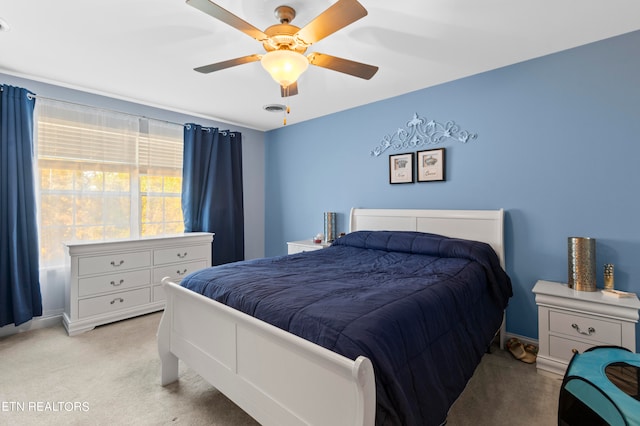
x=104 y=175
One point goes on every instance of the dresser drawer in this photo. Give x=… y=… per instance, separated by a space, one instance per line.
x=88 y=265
x=585 y=328
x=113 y=302
x=113 y=282
x=180 y=254
x=178 y=271
x=562 y=348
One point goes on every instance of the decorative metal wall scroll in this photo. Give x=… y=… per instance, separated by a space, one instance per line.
x=420 y=132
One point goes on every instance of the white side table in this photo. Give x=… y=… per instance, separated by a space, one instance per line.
x=569 y=319
x=304 y=245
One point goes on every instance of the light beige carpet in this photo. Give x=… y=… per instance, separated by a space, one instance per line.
x=110 y=376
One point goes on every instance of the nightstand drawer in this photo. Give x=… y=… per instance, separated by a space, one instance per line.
x=113 y=302
x=113 y=282
x=562 y=348
x=585 y=328
x=181 y=254
x=113 y=262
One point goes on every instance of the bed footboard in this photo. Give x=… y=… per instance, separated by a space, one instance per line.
x=276 y=377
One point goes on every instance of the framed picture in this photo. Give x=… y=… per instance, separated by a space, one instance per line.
x=431 y=165
x=401 y=168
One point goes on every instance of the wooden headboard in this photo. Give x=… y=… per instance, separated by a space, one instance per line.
x=477 y=225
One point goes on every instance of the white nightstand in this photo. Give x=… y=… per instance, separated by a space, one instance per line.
x=569 y=319
x=304 y=245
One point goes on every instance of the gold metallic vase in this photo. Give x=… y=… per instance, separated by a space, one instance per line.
x=582 y=263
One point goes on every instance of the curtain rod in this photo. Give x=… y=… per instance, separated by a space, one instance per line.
x=33 y=95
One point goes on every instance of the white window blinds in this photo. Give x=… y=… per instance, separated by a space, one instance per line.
x=161 y=147
x=69 y=132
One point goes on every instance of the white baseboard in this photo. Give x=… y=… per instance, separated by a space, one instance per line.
x=523 y=339
x=50 y=320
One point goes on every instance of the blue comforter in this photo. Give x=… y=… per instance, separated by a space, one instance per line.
x=422 y=307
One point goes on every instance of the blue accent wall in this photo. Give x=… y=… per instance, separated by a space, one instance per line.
x=558 y=148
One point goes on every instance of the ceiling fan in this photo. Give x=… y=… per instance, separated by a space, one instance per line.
x=285 y=44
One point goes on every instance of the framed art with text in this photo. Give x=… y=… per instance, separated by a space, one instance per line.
x=401 y=168
x=431 y=165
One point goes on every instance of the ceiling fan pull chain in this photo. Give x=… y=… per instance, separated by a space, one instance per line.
x=286 y=110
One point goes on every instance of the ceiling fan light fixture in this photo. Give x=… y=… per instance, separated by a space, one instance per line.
x=284 y=66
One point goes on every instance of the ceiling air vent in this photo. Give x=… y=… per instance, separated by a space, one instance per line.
x=275 y=108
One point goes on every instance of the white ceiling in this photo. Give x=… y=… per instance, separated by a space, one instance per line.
x=145 y=50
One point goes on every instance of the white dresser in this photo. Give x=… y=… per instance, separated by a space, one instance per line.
x=113 y=280
x=294 y=247
x=577 y=320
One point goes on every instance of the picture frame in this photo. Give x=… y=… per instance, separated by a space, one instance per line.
x=431 y=165
x=401 y=168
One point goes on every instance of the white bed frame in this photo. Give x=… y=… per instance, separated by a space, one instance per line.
x=281 y=379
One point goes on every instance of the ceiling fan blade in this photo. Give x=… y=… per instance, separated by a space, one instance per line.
x=346 y=66
x=291 y=90
x=337 y=16
x=227 y=17
x=206 y=69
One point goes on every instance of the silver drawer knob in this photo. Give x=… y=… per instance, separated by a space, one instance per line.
x=589 y=331
x=182 y=255
x=117 y=299
x=113 y=263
